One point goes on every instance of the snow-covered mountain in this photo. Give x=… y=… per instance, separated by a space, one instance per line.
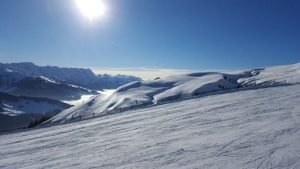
x=142 y=93
x=77 y=76
x=17 y=112
x=43 y=87
x=53 y=82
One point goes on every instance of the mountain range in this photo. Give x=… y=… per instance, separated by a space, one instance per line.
x=28 y=79
x=29 y=92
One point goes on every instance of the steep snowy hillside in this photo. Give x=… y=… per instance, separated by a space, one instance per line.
x=82 y=77
x=244 y=129
x=17 y=112
x=172 y=88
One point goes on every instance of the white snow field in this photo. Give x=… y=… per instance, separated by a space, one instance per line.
x=239 y=130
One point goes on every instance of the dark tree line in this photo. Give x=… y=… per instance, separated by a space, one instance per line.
x=38 y=122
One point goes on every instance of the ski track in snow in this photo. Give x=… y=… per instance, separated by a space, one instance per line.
x=248 y=129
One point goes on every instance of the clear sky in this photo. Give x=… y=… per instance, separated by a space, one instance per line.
x=175 y=34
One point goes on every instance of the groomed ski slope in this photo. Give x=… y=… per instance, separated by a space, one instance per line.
x=244 y=129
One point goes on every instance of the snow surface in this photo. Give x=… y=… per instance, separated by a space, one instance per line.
x=242 y=129
x=279 y=74
x=145 y=93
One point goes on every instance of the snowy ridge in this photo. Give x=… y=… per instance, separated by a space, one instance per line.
x=151 y=92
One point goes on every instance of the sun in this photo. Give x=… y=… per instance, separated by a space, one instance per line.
x=92 y=9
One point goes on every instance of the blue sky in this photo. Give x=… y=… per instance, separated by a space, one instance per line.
x=175 y=34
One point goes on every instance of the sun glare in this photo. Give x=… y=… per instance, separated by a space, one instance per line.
x=92 y=9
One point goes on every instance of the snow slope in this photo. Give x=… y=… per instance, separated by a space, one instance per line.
x=177 y=87
x=278 y=74
x=17 y=112
x=238 y=130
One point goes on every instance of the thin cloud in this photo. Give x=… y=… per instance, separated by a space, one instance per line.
x=144 y=73
x=152 y=73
